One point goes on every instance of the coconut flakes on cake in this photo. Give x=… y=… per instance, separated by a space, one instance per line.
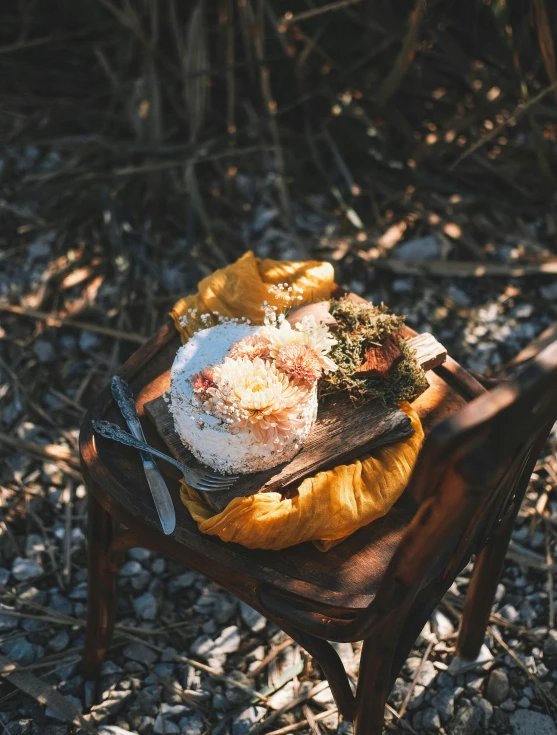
x=244 y=398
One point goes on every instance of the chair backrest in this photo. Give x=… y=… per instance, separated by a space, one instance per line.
x=472 y=469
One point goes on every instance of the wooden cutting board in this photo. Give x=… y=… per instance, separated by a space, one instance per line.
x=340 y=434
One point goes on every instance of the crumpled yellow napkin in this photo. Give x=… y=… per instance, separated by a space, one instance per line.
x=331 y=505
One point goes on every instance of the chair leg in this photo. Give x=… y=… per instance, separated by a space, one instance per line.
x=482 y=589
x=333 y=668
x=373 y=688
x=101 y=601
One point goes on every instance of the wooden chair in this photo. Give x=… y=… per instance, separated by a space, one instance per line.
x=381 y=584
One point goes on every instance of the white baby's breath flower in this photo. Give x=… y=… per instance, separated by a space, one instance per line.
x=307 y=332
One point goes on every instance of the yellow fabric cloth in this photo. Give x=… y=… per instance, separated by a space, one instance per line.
x=241 y=288
x=331 y=505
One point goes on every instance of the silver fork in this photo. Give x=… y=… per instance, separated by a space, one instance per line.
x=200 y=479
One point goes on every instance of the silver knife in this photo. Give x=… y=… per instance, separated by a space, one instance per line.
x=163 y=502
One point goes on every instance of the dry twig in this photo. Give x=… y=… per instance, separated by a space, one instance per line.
x=289 y=19
x=303 y=723
x=53 y=320
x=408 y=696
x=44 y=694
x=520 y=109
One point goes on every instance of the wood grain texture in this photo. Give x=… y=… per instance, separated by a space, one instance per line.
x=341 y=434
x=332 y=441
x=429 y=352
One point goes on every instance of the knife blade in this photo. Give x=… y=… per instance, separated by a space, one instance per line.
x=123 y=396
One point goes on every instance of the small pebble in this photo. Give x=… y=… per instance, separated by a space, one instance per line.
x=131 y=568
x=486 y=709
x=193 y=725
x=444 y=702
x=523 y=311
x=60 y=603
x=229 y=640
x=20 y=651
x=141 y=653
x=60 y=641
x=549 y=292
x=174 y=710
x=402 y=285
x=24 y=569
x=420 y=248
x=430 y=720
x=497 y=689
x=146 y=606
x=251 y=618
x=163 y=670
x=418 y=697
x=139 y=554
x=243 y=722
x=550 y=651
x=185 y=580
x=441 y=625
x=53 y=712
x=164 y=726
x=113 y=730
x=88 y=341
x=44 y=351
x=427 y=673
x=467 y=719
x=79 y=592
x=158 y=566
x=140 y=581
x=525 y=722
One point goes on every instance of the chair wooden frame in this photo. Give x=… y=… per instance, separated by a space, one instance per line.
x=464 y=494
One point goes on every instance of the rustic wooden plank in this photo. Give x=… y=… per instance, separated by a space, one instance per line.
x=333 y=440
x=429 y=352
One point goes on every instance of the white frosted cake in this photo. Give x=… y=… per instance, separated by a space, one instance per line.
x=244 y=398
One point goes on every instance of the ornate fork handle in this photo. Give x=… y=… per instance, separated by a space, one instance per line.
x=114 y=432
x=124 y=398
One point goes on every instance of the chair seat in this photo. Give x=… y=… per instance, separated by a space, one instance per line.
x=344 y=578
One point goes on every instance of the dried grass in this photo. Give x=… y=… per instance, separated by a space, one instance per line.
x=146 y=98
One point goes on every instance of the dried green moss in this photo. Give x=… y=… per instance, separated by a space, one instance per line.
x=361 y=326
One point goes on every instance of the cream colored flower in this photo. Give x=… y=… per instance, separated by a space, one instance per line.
x=319 y=338
x=201 y=382
x=281 y=336
x=300 y=363
x=251 y=347
x=254 y=394
x=307 y=332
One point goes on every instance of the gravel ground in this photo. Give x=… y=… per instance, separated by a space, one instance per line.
x=187 y=657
